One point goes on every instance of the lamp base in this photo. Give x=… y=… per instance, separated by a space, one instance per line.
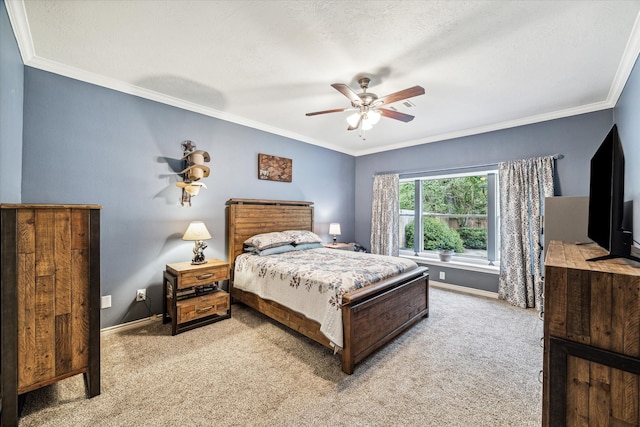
x=198 y=253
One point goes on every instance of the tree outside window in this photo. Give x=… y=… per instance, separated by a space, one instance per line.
x=454 y=214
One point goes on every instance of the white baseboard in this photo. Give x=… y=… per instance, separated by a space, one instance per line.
x=463 y=289
x=130 y=325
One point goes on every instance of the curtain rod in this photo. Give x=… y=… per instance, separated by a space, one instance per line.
x=555 y=157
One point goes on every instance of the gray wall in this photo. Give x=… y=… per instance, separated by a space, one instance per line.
x=576 y=138
x=88 y=144
x=626 y=115
x=11 y=96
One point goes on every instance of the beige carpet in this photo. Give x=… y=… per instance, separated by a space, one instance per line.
x=473 y=362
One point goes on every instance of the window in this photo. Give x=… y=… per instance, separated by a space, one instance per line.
x=457 y=211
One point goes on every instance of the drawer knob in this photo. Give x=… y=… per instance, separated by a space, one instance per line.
x=204 y=276
x=204 y=309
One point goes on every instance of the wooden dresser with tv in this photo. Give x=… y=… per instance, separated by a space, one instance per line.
x=591 y=368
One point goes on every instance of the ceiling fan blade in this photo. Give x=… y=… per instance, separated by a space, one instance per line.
x=336 y=110
x=396 y=115
x=399 y=96
x=348 y=92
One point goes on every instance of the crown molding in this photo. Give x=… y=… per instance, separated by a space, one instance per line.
x=20 y=23
x=628 y=61
x=120 y=86
x=598 y=106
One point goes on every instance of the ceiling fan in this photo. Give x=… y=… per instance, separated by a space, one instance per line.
x=368 y=105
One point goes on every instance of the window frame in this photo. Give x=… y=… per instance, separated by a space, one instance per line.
x=493 y=215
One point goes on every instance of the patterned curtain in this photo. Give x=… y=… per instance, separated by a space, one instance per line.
x=385 y=211
x=523 y=186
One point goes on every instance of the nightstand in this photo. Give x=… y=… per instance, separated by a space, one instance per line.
x=343 y=246
x=192 y=297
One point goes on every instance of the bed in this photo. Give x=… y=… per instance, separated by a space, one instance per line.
x=369 y=315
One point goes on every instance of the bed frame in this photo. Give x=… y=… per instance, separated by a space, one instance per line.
x=372 y=315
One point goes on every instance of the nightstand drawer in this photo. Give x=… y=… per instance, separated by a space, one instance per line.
x=195 y=308
x=202 y=276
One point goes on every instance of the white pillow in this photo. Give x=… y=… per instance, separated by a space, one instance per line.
x=269 y=240
x=303 y=236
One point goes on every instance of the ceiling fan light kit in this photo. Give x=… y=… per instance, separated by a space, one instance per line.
x=368 y=105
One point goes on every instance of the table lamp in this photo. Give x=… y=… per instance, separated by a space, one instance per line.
x=197 y=232
x=334 y=229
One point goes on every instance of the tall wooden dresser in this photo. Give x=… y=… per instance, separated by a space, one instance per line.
x=49 y=298
x=591 y=373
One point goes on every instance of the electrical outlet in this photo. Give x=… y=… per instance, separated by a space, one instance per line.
x=442 y=275
x=105 y=301
x=141 y=294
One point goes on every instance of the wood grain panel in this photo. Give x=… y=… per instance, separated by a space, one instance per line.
x=45 y=243
x=80 y=308
x=80 y=229
x=624 y=397
x=578 y=306
x=578 y=392
x=248 y=219
x=385 y=308
x=26 y=234
x=26 y=318
x=625 y=318
x=45 y=328
x=64 y=349
x=632 y=316
x=555 y=301
x=62 y=257
x=599 y=394
x=601 y=309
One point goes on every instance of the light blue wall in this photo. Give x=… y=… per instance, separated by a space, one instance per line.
x=88 y=144
x=576 y=138
x=627 y=116
x=11 y=96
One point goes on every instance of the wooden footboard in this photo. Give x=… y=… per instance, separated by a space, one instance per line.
x=374 y=315
x=371 y=316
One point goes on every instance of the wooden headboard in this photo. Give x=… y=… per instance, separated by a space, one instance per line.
x=248 y=217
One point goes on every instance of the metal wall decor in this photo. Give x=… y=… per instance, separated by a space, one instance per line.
x=194 y=171
x=274 y=168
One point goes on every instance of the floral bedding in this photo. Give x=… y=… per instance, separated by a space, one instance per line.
x=312 y=282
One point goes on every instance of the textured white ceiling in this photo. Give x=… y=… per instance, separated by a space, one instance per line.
x=485 y=65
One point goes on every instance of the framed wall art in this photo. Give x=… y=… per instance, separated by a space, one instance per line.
x=274 y=168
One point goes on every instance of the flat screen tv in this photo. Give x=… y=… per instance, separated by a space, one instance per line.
x=606 y=200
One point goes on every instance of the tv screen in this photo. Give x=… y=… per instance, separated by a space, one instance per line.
x=606 y=199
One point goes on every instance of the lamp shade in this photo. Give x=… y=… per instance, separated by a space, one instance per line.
x=334 y=228
x=196 y=231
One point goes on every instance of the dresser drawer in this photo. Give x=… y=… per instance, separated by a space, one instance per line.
x=202 y=276
x=207 y=305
